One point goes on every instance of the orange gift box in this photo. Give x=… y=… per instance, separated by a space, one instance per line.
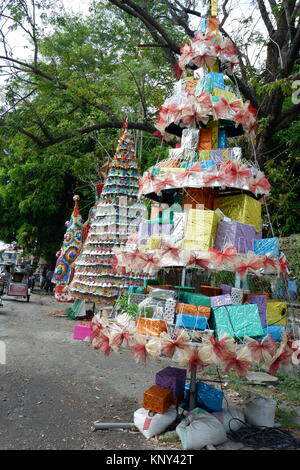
x=210 y=291
x=150 y=326
x=205 y=140
x=157 y=399
x=247 y=295
x=212 y=23
x=196 y=196
x=190 y=85
x=165 y=286
x=188 y=309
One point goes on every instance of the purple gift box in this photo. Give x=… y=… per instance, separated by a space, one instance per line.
x=235 y=234
x=261 y=302
x=225 y=289
x=219 y=300
x=173 y=379
x=146 y=230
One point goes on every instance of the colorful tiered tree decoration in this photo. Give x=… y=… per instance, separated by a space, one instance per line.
x=67 y=254
x=118 y=213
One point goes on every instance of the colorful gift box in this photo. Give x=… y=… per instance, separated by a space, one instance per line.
x=236 y=234
x=247 y=295
x=194 y=299
x=236 y=320
x=173 y=379
x=220 y=93
x=225 y=289
x=222 y=139
x=207 y=397
x=277 y=312
x=218 y=80
x=169 y=311
x=214 y=126
x=157 y=399
x=162 y=294
x=190 y=85
x=82 y=332
x=275 y=331
x=205 y=139
x=200 y=230
x=240 y=208
x=150 y=228
x=188 y=309
x=194 y=198
x=210 y=291
x=150 y=326
x=220 y=300
x=237 y=296
x=261 y=302
x=190 y=138
x=266 y=245
x=219 y=155
x=154 y=243
x=191 y=321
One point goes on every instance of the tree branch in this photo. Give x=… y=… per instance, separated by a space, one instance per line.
x=265 y=17
x=285 y=118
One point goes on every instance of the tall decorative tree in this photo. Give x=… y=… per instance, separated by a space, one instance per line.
x=118 y=214
x=68 y=253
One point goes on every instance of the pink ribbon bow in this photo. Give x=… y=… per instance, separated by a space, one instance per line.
x=219 y=257
x=242 y=366
x=253 y=265
x=159 y=183
x=202 y=263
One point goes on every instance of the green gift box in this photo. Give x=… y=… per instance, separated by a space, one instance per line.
x=236 y=320
x=194 y=299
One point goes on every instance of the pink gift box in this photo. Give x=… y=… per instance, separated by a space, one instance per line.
x=82 y=332
x=220 y=300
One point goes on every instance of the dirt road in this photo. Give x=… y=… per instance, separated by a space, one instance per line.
x=52 y=388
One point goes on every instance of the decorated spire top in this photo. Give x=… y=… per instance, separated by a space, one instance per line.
x=75 y=212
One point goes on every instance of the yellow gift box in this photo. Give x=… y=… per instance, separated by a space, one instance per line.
x=154 y=243
x=214 y=126
x=172 y=170
x=224 y=94
x=276 y=312
x=201 y=227
x=206 y=154
x=240 y=208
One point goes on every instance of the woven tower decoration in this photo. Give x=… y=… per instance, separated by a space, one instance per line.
x=118 y=213
x=67 y=254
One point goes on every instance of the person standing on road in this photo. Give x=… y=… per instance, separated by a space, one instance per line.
x=43 y=277
x=49 y=283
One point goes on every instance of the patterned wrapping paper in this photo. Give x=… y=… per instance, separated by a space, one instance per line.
x=150 y=326
x=172 y=378
x=201 y=229
x=261 y=302
x=181 y=153
x=169 y=312
x=276 y=312
x=237 y=296
x=241 y=208
x=237 y=321
x=191 y=321
x=236 y=234
x=157 y=399
x=189 y=139
x=177 y=234
x=220 y=300
x=266 y=245
x=162 y=294
x=195 y=299
x=188 y=309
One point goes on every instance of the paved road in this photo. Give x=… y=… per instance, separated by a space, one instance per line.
x=53 y=388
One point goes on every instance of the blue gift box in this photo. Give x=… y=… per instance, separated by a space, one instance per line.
x=207 y=397
x=222 y=139
x=218 y=80
x=275 y=331
x=207 y=164
x=266 y=245
x=191 y=321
